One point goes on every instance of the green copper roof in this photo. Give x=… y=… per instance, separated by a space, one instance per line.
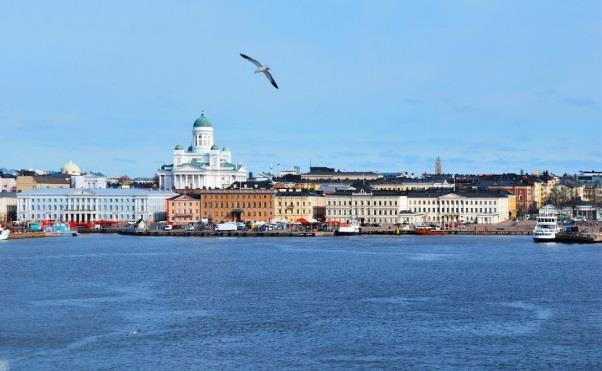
x=214 y=147
x=202 y=122
x=190 y=149
x=179 y=147
x=225 y=149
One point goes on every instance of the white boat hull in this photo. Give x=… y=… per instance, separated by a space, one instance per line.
x=4 y=234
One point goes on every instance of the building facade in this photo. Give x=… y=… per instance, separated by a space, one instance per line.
x=294 y=204
x=439 y=207
x=184 y=209
x=8 y=206
x=252 y=205
x=89 y=181
x=202 y=165
x=89 y=205
x=28 y=182
x=366 y=206
x=8 y=183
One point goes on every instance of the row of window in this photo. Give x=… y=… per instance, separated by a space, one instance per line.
x=85 y=208
x=456 y=210
x=361 y=203
x=361 y=212
x=452 y=202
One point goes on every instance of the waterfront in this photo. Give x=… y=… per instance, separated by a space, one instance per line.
x=109 y=301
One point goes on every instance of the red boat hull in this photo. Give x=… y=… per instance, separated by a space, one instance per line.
x=429 y=232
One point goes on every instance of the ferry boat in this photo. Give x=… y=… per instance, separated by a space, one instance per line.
x=429 y=231
x=347 y=229
x=4 y=233
x=546 y=229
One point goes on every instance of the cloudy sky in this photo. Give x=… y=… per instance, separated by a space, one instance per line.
x=379 y=85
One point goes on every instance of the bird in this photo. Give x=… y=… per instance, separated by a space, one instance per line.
x=261 y=68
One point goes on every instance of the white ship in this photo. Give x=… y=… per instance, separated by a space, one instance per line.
x=346 y=229
x=546 y=229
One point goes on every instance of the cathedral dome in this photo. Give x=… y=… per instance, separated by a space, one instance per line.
x=202 y=122
x=214 y=147
x=226 y=149
x=70 y=168
x=179 y=147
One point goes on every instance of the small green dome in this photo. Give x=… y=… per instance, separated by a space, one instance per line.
x=179 y=147
x=214 y=147
x=202 y=122
x=190 y=149
x=226 y=149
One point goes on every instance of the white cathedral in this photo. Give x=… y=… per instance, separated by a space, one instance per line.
x=203 y=165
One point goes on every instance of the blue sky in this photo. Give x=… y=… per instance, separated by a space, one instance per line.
x=487 y=85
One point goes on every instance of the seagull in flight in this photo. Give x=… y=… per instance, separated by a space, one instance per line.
x=261 y=68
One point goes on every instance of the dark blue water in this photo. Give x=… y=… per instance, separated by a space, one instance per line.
x=116 y=302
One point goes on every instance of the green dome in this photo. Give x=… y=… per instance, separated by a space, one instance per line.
x=190 y=149
x=214 y=147
x=202 y=122
x=226 y=149
x=179 y=147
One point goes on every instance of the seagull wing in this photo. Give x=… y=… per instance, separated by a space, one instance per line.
x=269 y=76
x=255 y=62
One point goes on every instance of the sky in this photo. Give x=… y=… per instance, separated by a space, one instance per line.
x=489 y=86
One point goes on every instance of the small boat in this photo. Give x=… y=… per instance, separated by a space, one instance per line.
x=429 y=231
x=4 y=233
x=347 y=229
x=60 y=230
x=546 y=229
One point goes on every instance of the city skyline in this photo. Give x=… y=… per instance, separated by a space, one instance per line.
x=489 y=87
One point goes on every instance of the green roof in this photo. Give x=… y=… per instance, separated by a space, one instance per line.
x=190 y=149
x=179 y=147
x=225 y=149
x=202 y=122
x=214 y=147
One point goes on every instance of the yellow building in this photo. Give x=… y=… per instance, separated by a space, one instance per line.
x=294 y=204
x=27 y=182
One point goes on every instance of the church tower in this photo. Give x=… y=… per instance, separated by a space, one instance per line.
x=202 y=135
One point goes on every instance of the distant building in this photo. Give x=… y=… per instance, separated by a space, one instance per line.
x=439 y=206
x=294 y=204
x=28 y=182
x=438 y=166
x=246 y=204
x=366 y=206
x=319 y=173
x=202 y=165
x=8 y=206
x=88 y=205
x=8 y=183
x=70 y=168
x=89 y=181
x=405 y=184
x=183 y=209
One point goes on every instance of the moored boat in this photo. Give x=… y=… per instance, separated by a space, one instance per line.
x=347 y=229
x=429 y=231
x=60 y=230
x=546 y=229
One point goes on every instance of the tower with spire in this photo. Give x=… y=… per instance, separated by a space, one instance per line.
x=438 y=166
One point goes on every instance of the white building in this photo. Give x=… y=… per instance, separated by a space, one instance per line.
x=202 y=165
x=8 y=183
x=440 y=206
x=366 y=206
x=89 y=181
x=87 y=205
